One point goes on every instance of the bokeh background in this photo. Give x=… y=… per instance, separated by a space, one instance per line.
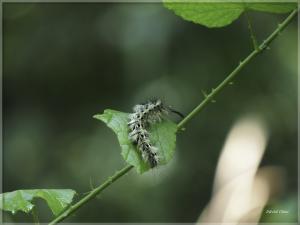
x=63 y=63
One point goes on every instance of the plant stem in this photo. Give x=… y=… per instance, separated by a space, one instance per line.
x=207 y=99
x=92 y=194
x=252 y=35
x=35 y=216
x=242 y=64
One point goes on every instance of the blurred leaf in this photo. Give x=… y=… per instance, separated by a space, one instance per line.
x=21 y=200
x=221 y=14
x=162 y=135
x=272 y=7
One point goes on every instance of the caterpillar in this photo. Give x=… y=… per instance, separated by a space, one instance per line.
x=139 y=121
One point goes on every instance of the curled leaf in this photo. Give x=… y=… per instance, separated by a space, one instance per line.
x=162 y=135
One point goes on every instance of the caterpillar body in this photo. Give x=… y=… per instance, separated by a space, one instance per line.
x=139 y=121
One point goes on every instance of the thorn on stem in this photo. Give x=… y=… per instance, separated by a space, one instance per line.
x=231 y=83
x=204 y=93
x=91 y=184
x=110 y=180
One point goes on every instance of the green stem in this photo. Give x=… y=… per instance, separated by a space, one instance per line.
x=208 y=99
x=252 y=35
x=91 y=195
x=35 y=216
x=242 y=64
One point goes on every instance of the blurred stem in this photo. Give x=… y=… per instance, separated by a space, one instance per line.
x=92 y=194
x=35 y=216
x=207 y=99
x=264 y=45
x=252 y=35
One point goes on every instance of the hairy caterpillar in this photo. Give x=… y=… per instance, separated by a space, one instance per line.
x=139 y=121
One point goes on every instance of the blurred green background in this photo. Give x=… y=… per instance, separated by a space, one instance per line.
x=63 y=63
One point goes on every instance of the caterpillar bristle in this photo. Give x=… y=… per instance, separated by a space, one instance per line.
x=145 y=114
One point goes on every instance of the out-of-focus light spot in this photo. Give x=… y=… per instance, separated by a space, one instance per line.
x=242 y=151
x=237 y=190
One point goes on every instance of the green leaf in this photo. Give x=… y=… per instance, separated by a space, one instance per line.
x=162 y=135
x=207 y=14
x=215 y=14
x=272 y=7
x=21 y=200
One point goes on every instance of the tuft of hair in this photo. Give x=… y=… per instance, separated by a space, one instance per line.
x=143 y=115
